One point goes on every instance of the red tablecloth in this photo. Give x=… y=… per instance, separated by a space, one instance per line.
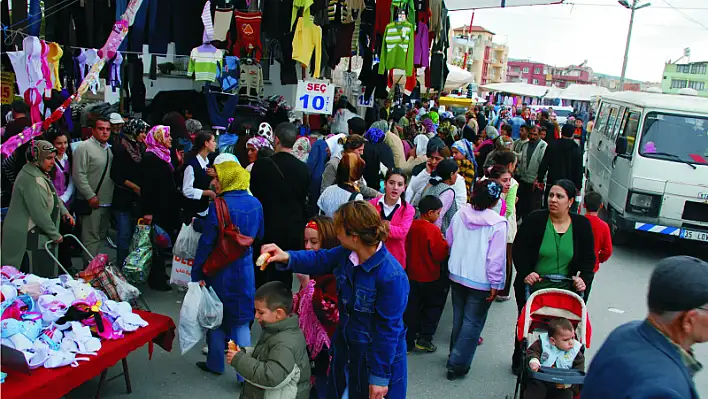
x=55 y=383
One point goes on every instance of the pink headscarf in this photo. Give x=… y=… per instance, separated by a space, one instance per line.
x=259 y=142
x=155 y=142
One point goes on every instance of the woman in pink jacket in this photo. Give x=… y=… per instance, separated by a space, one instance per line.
x=393 y=208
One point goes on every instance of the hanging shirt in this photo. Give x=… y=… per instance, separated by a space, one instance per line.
x=397 y=49
x=204 y=63
x=308 y=38
x=421 y=53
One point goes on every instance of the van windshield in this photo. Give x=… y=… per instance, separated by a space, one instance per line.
x=675 y=137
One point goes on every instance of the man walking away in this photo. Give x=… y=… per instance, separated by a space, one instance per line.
x=653 y=358
x=281 y=184
x=92 y=178
x=531 y=156
x=562 y=160
x=550 y=127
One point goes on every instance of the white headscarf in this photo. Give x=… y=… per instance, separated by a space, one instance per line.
x=335 y=149
x=421 y=145
x=225 y=157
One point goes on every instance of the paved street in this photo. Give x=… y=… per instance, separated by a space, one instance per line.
x=618 y=296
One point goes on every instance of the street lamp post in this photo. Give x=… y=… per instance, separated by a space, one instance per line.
x=633 y=7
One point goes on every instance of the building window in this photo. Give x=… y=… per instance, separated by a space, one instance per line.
x=683 y=68
x=698 y=69
x=537 y=70
x=700 y=86
x=678 y=83
x=516 y=69
x=526 y=70
x=535 y=81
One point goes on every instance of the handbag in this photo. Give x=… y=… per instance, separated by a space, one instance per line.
x=230 y=243
x=81 y=206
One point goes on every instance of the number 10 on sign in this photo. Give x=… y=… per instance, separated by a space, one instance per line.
x=314 y=97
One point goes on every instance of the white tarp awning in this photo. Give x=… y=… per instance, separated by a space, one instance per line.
x=457 y=78
x=580 y=92
x=521 y=89
x=454 y=5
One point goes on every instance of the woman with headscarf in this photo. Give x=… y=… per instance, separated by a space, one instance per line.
x=159 y=198
x=302 y=148
x=486 y=145
x=463 y=154
x=34 y=213
x=335 y=144
x=235 y=283
x=441 y=185
x=501 y=144
x=125 y=173
x=63 y=184
x=376 y=153
x=418 y=154
x=254 y=145
x=430 y=129
x=316 y=162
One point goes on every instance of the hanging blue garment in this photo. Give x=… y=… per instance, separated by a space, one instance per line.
x=220 y=115
x=230 y=74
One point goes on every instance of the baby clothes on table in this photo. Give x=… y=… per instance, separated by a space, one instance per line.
x=248 y=36
x=204 y=61
x=308 y=38
x=222 y=23
x=251 y=80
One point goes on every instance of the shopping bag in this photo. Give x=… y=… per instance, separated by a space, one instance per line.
x=162 y=238
x=137 y=264
x=181 y=273
x=189 y=330
x=187 y=242
x=211 y=310
x=126 y=291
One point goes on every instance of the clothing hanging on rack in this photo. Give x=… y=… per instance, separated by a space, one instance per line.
x=219 y=115
x=204 y=62
x=397 y=49
x=308 y=39
x=222 y=23
x=248 y=36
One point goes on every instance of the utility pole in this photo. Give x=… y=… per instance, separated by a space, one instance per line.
x=635 y=6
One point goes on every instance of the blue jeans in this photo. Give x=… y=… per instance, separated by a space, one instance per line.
x=216 y=340
x=124 y=232
x=469 y=313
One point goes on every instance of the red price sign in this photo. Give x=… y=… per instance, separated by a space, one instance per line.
x=7 y=87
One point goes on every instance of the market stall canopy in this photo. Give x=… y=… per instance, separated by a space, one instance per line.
x=457 y=78
x=455 y=5
x=521 y=89
x=579 y=92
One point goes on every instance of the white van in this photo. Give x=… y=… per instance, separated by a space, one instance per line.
x=648 y=157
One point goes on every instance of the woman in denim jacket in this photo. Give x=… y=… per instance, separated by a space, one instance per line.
x=369 y=347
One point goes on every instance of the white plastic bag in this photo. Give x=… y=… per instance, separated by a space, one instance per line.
x=181 y=273
x=187 y=242
x=190 y=332
x=211 y=310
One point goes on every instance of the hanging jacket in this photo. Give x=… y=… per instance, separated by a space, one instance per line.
x=398 y=47
x=251 y=84
x=308 y=38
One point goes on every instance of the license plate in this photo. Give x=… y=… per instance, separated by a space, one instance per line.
x=695 y=235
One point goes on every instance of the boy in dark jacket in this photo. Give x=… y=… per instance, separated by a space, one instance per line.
x=562 y=160
x=426 y=251
x=558 y=348
x=278 y=367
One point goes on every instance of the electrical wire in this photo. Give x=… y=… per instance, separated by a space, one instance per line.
x=685 y=15
x=618 y=6
x=46 y=9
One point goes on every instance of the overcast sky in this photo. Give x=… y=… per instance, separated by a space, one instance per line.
x=571 y=33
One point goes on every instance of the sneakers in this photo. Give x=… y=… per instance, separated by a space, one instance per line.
x=502 y=298
x=452 y=375
x=425 y=345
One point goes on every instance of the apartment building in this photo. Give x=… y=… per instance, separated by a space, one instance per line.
x=473 y=49
x=693 y=75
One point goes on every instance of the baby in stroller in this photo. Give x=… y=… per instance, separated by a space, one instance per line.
x=557 y=348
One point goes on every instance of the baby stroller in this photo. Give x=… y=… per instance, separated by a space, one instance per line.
x=104 y=276
x=541 y=307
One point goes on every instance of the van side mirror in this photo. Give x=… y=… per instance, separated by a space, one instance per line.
x=621 y=146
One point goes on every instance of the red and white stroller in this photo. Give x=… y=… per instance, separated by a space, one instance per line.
x=541 y=307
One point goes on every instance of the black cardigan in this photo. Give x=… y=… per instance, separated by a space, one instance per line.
x=528 y=243
x=159 y=196
x=124 y=168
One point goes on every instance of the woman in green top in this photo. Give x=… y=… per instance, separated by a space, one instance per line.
x=553 y=241
x=34 y=213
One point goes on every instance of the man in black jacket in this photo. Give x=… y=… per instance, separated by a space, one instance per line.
x=550 y=127
x=562 y=160
x=281 y=184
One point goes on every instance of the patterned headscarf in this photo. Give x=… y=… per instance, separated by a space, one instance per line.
x=135 y=127
x=429 y=125
x=193 y=125
x=232 y=176
x=465 y=147
x=259 y=142
x=302 y=148
x=155 y=141
x=376 y=132
x=41 y=149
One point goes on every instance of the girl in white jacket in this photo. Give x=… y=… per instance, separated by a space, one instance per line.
x=477 y=238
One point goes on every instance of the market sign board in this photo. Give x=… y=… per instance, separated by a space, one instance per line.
x=314 y=97
x=7 y=87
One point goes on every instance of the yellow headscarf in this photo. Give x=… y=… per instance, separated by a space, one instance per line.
x=232 y=176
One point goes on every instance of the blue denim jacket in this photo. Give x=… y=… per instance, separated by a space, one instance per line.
x=370 y=338
x=235 y=284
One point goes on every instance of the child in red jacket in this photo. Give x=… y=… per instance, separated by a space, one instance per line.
x=426 y=251
x=600 y=232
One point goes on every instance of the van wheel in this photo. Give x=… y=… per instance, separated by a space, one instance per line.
x=619 y=237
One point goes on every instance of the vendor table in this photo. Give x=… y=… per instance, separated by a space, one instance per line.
x=55 y=383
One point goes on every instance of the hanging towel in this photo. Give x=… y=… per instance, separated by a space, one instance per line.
x=222 y=23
